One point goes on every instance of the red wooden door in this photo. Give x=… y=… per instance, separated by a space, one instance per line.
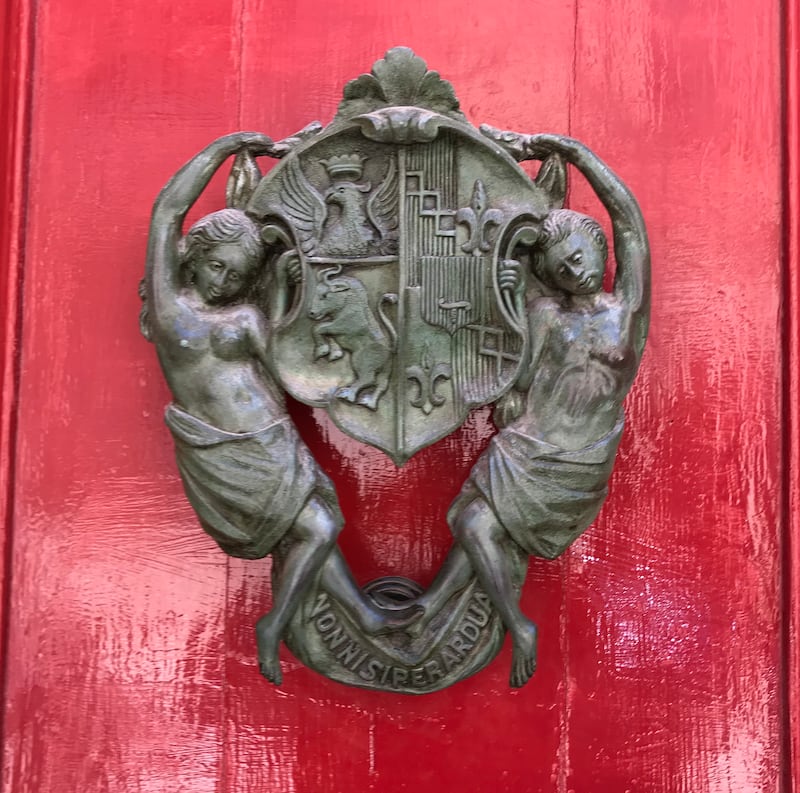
x=129 y=659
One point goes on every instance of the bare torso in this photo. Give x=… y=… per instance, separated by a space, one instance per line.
x=584 y=369
x=213 y=367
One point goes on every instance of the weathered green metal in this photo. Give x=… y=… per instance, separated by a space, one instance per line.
x=397 y=268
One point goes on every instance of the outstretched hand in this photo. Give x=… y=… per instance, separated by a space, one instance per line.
x=541 y=145
x=256 y=143
x=526 y=147
x=512 y=142
x=282 y=147
x=294 y=270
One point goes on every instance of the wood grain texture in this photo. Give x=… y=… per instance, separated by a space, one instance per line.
x=791 y=394
x=131 y=659
x=116 y=649
x=672 y=600
x=15 y=35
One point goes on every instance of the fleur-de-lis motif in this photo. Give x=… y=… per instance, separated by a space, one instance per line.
x=427 y=374
x=478 y=217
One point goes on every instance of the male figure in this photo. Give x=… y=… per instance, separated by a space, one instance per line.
x=543 y=478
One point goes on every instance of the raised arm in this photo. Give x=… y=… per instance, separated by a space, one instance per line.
x=631 y=246
x=162 y=276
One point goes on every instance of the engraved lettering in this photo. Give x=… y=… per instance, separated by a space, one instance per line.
x=450 y=658
x=336 y=637
x=349 y=653
x=418 y=677
x=477 y=615
x=433 y=670
x=459 y=645
x=399 y=676
x=363 y=657
x=326 y=622
x=320 y=605
x=471 y=631
x=371 y=670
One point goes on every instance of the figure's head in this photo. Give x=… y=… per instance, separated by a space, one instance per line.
x=571 y=253
x=221 y=254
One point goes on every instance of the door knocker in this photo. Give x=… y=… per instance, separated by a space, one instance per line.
x=396 y=268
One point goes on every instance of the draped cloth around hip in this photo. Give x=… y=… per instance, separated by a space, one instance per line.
x=247 y=488
x=544 y=496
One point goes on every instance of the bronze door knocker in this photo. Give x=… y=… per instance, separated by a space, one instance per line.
x=396 y=268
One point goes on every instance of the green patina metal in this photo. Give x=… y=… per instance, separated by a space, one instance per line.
x=397 y=268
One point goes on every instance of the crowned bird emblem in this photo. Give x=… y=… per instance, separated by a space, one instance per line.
x=349 y=219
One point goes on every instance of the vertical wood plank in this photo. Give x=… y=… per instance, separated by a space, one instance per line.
x=791 y=421
x=673 y=612
x=117 y=643
x=15 y=62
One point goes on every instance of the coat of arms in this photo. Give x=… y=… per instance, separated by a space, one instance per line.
x=400 y=219
x=396 y=268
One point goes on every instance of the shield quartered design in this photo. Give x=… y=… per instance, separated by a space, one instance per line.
x=396 y=323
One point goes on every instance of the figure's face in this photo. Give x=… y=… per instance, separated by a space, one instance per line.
x=575 y=264
x=222 y=273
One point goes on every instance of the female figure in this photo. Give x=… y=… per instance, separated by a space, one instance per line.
x=250 y=479
x=543 y=478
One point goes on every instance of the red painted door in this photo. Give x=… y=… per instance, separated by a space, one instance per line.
x=129 y=662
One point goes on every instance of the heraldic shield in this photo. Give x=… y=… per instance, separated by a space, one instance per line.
x=398 y=222
x=397 y=268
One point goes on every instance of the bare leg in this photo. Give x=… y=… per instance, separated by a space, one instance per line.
x=483 y=539
x=454 y=575
x=338 y=580
x=313 y=535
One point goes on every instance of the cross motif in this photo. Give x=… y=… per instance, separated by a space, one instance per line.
x=491 y=344
x=431 y=204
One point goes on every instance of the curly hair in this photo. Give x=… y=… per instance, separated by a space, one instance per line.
x=223 y=226
x=557 y=226
x=218 y=228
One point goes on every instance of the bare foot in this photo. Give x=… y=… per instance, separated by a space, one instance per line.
x=431 y=603
x=268 y=643
x=523 y=656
